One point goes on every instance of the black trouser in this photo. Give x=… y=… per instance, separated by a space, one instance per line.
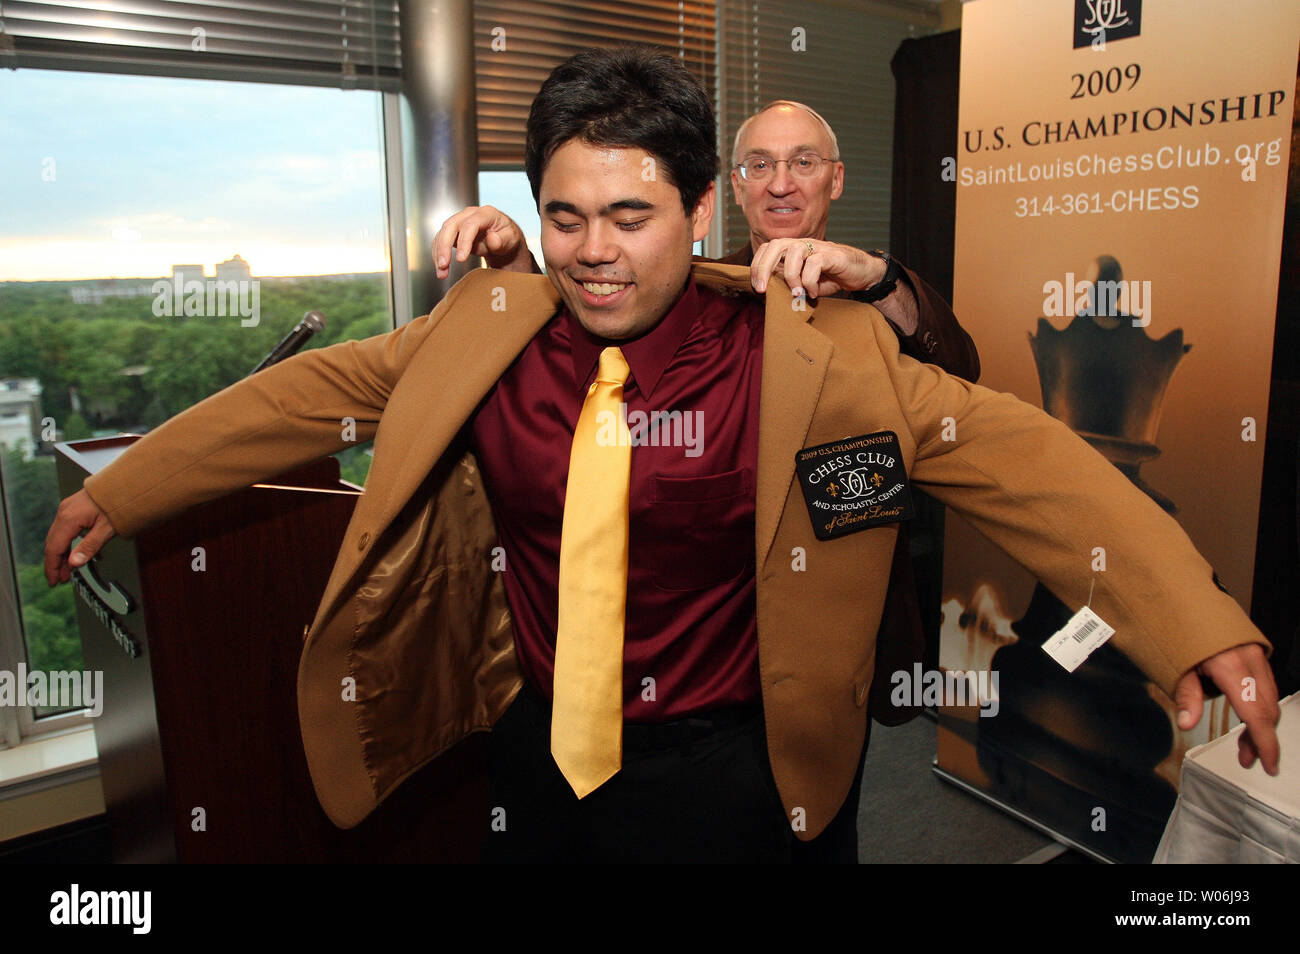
x=838 y=843
x=697 y=790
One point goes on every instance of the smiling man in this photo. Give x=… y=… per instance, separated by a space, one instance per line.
x=613 y=240
x=674 y=656
x=786 y=171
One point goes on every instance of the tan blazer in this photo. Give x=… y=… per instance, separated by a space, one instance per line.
x=412 y=647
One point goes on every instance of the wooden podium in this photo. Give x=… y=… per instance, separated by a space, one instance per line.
x=197 y=624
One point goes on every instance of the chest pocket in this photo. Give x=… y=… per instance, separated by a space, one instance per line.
x=699 y=531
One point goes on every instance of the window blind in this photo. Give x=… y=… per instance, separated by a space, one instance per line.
x=345 y=43
x=518 y=42
x=834 y=56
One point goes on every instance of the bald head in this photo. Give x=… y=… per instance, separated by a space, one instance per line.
x=785 y=204
x=786 y=105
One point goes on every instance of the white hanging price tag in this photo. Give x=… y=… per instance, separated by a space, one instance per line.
x=1076 y=640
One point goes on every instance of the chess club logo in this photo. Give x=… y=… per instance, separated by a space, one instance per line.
x=854 y=484
x=1097 y=22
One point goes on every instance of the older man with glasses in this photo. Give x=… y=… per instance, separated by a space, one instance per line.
x=785 y=172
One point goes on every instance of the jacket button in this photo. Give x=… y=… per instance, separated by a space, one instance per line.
x=364 y=540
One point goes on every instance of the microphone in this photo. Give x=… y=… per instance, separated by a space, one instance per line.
x=290 y=344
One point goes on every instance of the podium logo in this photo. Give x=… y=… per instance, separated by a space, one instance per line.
x=1099 y=22
x=55 y=689
x=75 y=906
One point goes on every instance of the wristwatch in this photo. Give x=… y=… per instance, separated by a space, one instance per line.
x=886 y=285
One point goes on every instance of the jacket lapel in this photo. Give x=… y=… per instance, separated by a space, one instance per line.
x=486 y=320
x=451 y=374
x=795 y=359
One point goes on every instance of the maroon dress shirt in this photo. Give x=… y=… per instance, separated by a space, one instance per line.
x=691 y=623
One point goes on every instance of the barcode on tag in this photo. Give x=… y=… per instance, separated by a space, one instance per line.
x=1083 y=632
x=1076 y=640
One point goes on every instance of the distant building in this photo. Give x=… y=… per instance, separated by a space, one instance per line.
x=99 y=291
x=186 y=273
x=233 y=270
x=20 y=414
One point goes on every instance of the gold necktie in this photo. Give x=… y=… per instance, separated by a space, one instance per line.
x=587 y=718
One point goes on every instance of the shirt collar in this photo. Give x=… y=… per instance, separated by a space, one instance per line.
x=741 y=256
x=648 y=355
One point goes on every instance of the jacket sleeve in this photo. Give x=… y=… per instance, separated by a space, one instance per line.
x=939 y=338
x=283 y=417
x=1038 y=491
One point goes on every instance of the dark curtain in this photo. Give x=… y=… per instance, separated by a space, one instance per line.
x=1275 y=596
x=924 y=205
x=922 y=213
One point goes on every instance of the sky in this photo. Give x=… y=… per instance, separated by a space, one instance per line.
x=123 y=176
x=110 y=176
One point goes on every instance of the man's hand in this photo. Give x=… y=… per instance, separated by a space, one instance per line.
x=819 y=268
x=75 y=514
x=823 y=268
x=1243 y=674
x=484 y=231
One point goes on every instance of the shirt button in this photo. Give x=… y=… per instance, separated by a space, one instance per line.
x=364 y=540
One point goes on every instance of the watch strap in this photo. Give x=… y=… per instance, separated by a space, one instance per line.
x=887 y=284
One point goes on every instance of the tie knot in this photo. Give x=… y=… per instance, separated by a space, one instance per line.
x=613 y=367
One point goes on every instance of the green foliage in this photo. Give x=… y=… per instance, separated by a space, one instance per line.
x=354 y=463
x=51 y=626
x=49 y=620
x=31 y=496
x=170 y=363
x=75 y=428
x=131 y=370
x=49 y=614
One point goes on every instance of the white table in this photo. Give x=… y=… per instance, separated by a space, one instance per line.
x=1226 y=814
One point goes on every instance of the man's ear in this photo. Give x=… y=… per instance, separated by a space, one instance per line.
x=837 y=181
x=702 y=217
x=736 y=187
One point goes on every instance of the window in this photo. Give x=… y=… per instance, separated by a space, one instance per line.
x=510 y=192
x=160 y=236
x=835 y=58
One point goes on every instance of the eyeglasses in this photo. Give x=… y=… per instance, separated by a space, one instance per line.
x=803 y=166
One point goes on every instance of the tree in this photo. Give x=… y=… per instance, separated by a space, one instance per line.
x=31 y=495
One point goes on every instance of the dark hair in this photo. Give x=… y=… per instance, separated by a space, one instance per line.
x=627 y=96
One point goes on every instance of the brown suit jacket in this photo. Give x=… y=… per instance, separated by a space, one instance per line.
x=411 y=648
x=939 y=339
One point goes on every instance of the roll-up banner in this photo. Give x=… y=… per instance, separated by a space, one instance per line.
x=1121 y=168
